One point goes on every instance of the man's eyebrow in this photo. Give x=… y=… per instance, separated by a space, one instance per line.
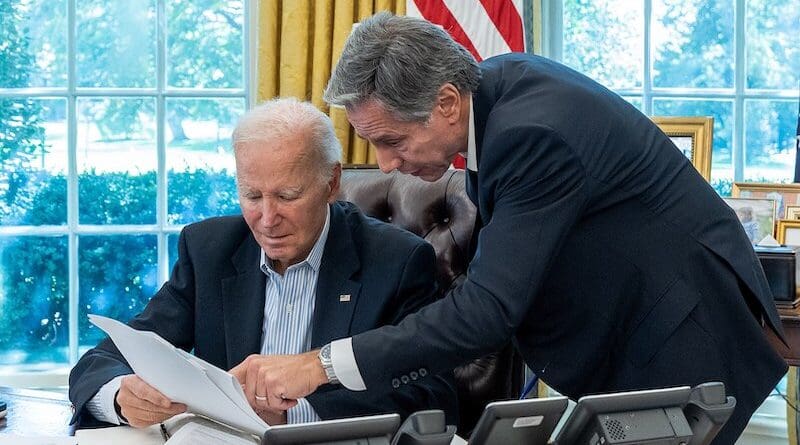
x=387 y=137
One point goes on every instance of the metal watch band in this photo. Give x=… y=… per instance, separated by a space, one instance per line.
x=327 y=364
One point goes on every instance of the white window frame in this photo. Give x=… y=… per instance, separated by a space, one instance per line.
x=17 y=376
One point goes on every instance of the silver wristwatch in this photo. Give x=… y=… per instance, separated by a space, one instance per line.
x=327 y=365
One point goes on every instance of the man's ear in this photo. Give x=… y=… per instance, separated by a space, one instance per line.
x=448 y=102
x=335 y=182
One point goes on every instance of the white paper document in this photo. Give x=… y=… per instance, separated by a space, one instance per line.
x=36 y=440
x=204 y=389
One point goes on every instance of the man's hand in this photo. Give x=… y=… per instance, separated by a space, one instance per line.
x=272 y=417
x=142 y=405
x=275 y=382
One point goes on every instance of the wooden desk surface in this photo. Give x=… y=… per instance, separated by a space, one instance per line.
x=35 y=412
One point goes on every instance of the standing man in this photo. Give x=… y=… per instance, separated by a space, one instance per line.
x=602 y=253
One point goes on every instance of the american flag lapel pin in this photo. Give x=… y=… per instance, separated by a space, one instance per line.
x=344 y=298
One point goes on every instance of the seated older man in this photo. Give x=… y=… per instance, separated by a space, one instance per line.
x=295 y=271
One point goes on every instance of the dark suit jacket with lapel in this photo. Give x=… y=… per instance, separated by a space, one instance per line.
x=603 y=253
x=214 y=303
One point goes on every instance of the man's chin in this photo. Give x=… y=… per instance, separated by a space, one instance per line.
x=429 y=175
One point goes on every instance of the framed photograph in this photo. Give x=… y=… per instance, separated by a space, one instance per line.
x=789 y=232
x=756 y=215
x=793 y=212
x=785 y=195
x=693 y=136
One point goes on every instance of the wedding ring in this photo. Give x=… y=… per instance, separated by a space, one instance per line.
x=261 y=399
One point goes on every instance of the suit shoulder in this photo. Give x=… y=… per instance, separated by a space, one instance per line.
x=217 y=233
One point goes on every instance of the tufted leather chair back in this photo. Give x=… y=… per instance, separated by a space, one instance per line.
x=442 y=214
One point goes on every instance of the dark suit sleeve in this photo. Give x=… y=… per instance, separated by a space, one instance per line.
x=534 y=187
x=170 y=313
x=417 y=288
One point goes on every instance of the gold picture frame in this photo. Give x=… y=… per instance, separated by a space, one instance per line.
x=693 y=135
x=789 y=232
x=784 y=194
x=792 y=212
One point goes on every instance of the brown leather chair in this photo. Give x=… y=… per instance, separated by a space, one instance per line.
x=442 y=214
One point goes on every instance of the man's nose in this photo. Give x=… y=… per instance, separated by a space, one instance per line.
x=388 y=161
x=270 y=217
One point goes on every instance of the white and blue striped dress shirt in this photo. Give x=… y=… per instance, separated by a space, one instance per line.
x=289 y=310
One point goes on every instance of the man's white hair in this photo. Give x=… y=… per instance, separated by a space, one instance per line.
x=283 y=117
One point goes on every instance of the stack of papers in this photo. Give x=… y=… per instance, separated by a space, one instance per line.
x=205 y=389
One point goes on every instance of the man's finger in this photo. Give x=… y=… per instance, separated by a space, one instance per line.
x=144 y=391
x=240 y=372
x=140 y=418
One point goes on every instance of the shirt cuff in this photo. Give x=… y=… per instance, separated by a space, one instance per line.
x=344 y=365
x=101 y=406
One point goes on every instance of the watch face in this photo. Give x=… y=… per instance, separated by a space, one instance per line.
x=325 y=352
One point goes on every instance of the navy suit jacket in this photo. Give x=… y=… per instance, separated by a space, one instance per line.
x=602 y=253
x=213 y=303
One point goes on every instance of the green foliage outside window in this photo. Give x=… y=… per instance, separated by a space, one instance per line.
x=117 y=272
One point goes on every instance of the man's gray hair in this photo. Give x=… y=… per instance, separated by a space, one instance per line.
x=282 y=117
x=401 y=62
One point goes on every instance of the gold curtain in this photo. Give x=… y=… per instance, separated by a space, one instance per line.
x=299 y=43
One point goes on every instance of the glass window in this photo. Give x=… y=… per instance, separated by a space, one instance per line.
x=690 y=68
x=603 y=39
x=692 y=43
x=118 y=274
x=101 y=166
x=200 y=164
x=34 y=301
x=34 y=161
x=116 y=43
x=772 y=44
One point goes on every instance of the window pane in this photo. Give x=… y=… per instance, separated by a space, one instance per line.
x=772 y=43
x=172 y=249
x=33 y=161
x=116 y=43
x=33 y=300
x=33 y=43
x=116 y=161
x=693 y=43
x=205 y=44
x=200 y=164
x=118 y=275
x=722 y=112
x=770 y=129
x=605 y=40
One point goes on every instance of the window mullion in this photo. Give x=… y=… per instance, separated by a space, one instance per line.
x=161 y=174
x=647 y=81
x=72 y=183
x=739 y=88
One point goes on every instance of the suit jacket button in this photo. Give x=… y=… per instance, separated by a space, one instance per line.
x=423 y=372
x=395 y=383
x=413 y=375
x=404 y=379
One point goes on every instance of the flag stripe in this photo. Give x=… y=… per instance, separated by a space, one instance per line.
x=507 y=20
x=435 y=11
x=478 y=26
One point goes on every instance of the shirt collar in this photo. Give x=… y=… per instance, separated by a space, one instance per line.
x=314 y=258
x=472 y=151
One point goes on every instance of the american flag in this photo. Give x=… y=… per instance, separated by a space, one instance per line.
x=484 y=27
